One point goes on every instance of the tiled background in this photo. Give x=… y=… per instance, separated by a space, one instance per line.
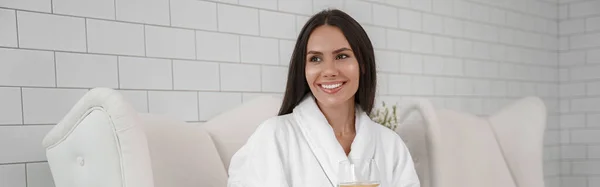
x=192 y=59
x=579 y=72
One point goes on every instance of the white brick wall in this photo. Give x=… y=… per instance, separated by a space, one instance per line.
x=48 y=105
x=574 y=181
x=180 y=105
x=193 y=59
x=8 y=31
x=144 y=11
x=38 y=175
x=273 y=78
x=170 y=43
x=265 y=4
x=16 y=68
x=240 y=77
x=145 y=73
x=85 y=8
x=194 y=75
x=211 y=46
x=239 y=20
x=386 y=16
x=13 y=175
x=286 y=48
x=138 y=99
x=110 y=37
x=256 y=50
x=194 y=14
x=293 y=6
x=28 y=148
x=11 y=106
x=279 y=25
x=580 y=90
x=86 y=70
x=45 y=31
x=33 y=5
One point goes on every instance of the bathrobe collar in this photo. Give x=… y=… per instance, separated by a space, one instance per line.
x=322 y=141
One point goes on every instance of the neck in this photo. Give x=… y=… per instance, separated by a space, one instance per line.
x=340 y=117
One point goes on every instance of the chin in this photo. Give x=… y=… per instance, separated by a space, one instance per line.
x=332 y=101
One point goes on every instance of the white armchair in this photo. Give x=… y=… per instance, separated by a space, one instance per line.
x=457 y=149
x=103 y=142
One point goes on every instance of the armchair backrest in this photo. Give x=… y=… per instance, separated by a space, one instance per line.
x=458 y=149
x=100 y=136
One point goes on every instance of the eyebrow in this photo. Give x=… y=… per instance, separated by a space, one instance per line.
x=334 y=52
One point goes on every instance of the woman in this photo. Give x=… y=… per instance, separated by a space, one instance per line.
x=323 y=118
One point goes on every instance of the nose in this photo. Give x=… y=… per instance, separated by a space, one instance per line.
x=330 y=69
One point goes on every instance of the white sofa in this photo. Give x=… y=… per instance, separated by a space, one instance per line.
x=103 y=142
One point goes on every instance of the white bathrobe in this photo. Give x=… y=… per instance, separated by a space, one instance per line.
x=301 y=150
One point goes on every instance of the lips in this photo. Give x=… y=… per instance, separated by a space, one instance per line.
x=331 y=87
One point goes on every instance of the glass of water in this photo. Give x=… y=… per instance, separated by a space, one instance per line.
x=358 y=173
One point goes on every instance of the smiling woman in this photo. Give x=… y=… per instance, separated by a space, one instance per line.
x=323 y=135
x=333 y=41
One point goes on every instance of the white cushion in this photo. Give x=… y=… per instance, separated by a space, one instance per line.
x=520 y=130
x=182 y=154
x=231 y=129
x=472 y=157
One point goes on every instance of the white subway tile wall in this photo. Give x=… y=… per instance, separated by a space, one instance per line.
x=294 y=6
x=38 y=175
x=236 y=19
x=144 y=11
x=110 y=37
x=181 y=105
x=13 y=175
x=85 y=8
x=276 y=24
x=48 y=105
x=86 y=70
x=240 y=77
x=51 y=32
x=170 y=43
x=273 y=78
x=11 y=106
x=579 y=54
x=194 y=14
x=256 y=50
x=28 y=148
x=138 y=99
x=145 y=73
x=32 y=5
x=193 y=59
x=8 y=32
x=195 y=75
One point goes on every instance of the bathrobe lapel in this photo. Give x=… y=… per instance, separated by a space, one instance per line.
x=323 y=143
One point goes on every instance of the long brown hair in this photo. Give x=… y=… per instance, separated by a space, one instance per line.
x=297 y=87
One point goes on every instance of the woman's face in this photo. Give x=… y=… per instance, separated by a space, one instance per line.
x=332 y=70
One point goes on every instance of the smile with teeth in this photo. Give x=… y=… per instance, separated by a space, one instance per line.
x=331 y=86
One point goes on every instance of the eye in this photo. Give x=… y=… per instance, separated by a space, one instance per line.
x=341 y=56
x=315 y=59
